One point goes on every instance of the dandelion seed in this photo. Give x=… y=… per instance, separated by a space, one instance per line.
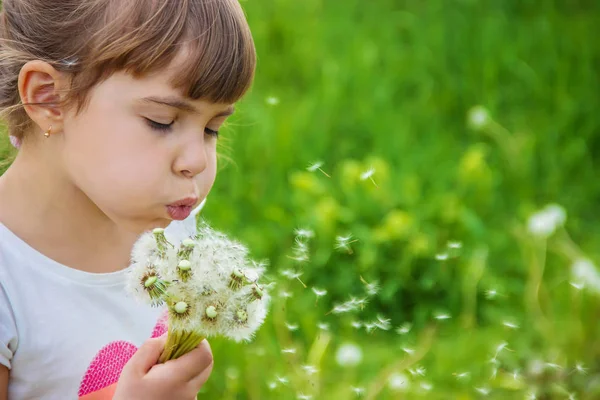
x=302 y=396
x=461 y=375
x=426 y=386
x=515 y=375
x=494 y=373
x=510 y=325
x=398 y=382
x=356 y=324
x=580 y=369
x=531 y=396
x=304 y=233
x=454 y=245
x=420 y=371
x=371 y=288
x=483 y=390
x=544 y=223
x=323 y=326
x=408 y=350
x=442 y=316
x=577 y=286
x=282 y=379
x=499 y=348
x=316 y=166
x=368 y=174
x=358 y=391
x=382 y=323
x=290 y=350
x=272 y=100
x=272 y=385
x=291 y=327
x=310 y=369
x=291 y=275
x=404 y=329
x=553 y=366
x=319 y=292
x=344 y=242
x=284 y=294
x=490 y=294
x=441 y=256
x=478 y=117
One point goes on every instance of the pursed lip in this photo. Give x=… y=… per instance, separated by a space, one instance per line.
x=186 y=202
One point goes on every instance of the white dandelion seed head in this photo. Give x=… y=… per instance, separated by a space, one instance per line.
x=478 y=117
x=356 y=324
x=398 y=382
x=349 y=355
x=544 y=223
x=408 y=350
x=580 y=368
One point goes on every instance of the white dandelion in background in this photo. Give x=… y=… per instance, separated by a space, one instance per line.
x=478 y=118
x=316 y=166
x=348 y=355
x=418 y=371
x=272 y=385
x=585 y=274
x=544 y=223
x=356 y=324
x=282 y=379
x=368 y=174
x=426 y=386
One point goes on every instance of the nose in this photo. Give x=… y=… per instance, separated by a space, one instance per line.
x=193 y=158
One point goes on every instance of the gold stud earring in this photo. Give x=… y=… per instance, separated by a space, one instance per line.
x=48 y=132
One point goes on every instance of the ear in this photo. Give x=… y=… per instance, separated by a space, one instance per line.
x=40 y=86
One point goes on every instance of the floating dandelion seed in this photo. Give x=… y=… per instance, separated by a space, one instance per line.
x=478 y=117
x=483 y=390
x=404 y=329
x=282 y=379
x=316 y=166
x=515 y=375
x=344 y=242
x=291 y=275
x=348 y=355
x=356 y=324
x=454 y=245
x=358 y=391
x=531 y=396
x=426 y=386
x=553 y=366
x=382 y=323
x=580 y=369
x=302 y=396
x=290 y=350
x=371 y=288
x=408 y=350
x=323 y=326
x=461 y=375
x=304 y=233
x=442 y=316
x=272 y=100
x=420 y=371
x=368 y=174
x=291 y=327
x=272 y=385
x=441 y=256
x=577 y=285
x=284 y=294
x=510 y=324
x=491 y=293
x=319 y=293
x=310 y=369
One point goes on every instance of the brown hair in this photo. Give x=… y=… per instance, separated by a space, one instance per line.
x=92 y=39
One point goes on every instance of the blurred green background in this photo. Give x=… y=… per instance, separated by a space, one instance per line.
x=441 y=128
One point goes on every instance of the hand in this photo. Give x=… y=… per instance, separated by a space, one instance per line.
x=179 y=379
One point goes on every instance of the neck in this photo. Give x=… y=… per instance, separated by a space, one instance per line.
x=40 y=204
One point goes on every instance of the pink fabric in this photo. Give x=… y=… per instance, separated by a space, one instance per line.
x=107 y=365
x=15 y=141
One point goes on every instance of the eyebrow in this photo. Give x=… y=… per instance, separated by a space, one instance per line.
x=183 y=105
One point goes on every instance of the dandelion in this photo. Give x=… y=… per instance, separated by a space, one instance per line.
x=426 y=386
x=344 y=242
x=316 y=166
x=382 y=323
x=461 y=375
x=408 y=350
x=491 y=294
x=398 y=382
x=302 y=396
x=291 y=275
x=544 y=223
x=282 y=379
x=290 y=350
x=580 y=369
x=203 y=282
x=404 y=329
x=584 y=272
x=272 y=385
x=552 y=366
x=303 y=233
x=478 y=117
x=368 y=174
x=577 y=286
x=272 y=100
x=371 y=288
x=515 y=375
x=348 y=355
x=356 y=324
x=284 y=294
x=499 y=348
x=418 y=371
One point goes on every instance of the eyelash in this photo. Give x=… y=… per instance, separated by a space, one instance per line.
x=167 y=127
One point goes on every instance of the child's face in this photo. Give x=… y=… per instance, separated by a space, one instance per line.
x=132 y=155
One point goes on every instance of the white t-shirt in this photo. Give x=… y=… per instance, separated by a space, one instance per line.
x=65 y=333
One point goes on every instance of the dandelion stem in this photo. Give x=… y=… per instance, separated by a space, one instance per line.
x=324 y=173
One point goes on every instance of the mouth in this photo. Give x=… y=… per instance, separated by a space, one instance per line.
x=182 y=209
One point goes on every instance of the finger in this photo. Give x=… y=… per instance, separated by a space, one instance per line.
x=192 y=364
x=147 y=355
x=199 y=380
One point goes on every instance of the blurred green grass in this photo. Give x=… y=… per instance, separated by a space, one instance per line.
x=389 y=85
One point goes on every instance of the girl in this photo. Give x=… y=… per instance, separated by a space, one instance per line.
x=115 y=106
